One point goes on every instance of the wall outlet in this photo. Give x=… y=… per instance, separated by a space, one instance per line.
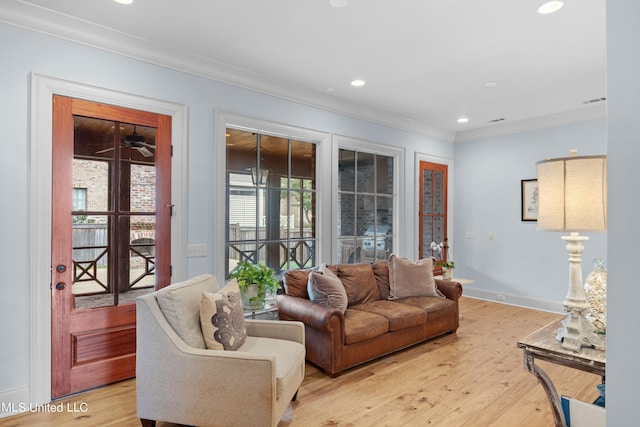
x=501 y=297
x=471 y=234
x=197 y=250
x=490 y=235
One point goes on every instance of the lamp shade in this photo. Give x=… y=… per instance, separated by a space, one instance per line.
x=572 y=193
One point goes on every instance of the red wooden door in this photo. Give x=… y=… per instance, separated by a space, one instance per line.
x=110 y=238
x=433 y=208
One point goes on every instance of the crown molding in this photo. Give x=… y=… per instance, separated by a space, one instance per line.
x=558 y=119
x=63 y=26
x=59 y=25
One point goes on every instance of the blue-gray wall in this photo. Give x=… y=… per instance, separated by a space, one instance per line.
x=24 y=52
x=525 y=266
x=623 y=130
x=486 y=184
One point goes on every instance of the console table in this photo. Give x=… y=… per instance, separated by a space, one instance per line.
x=542 y=345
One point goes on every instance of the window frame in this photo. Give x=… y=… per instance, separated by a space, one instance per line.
x=397 y=196
x=322 y=140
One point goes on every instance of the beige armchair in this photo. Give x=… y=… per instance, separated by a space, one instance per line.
x=179 y=380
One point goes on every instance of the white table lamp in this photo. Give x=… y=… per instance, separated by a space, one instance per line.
x=572 y=196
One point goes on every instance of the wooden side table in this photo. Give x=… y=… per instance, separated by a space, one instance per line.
x=543 y=345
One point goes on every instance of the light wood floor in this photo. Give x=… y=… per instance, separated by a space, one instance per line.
x=473 y=378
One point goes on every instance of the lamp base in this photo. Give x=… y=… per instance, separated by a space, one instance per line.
x=576 y=333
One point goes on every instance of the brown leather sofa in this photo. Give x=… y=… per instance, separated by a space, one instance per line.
x=372 y=325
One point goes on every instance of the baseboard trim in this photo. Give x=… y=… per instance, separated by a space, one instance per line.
x=515 y=300
x=14 y=402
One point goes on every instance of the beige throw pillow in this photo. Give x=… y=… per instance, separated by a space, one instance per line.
x=180 y=305
x=325 y=288
x=222 y=318
x=410 y=279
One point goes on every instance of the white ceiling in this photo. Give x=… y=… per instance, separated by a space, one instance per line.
x=425 y=62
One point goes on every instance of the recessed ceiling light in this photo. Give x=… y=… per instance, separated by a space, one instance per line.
x=338 y=3
x=550 y=7
x=463 y=120
x=124 y=1
x=491 y=84
x=358 y=83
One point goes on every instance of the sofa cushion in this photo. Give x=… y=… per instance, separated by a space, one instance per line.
x=400 y=316
x=435 y=307
x=381 y=273
x=295 y=282
x=407 y=278
x=326 y=289
x=180 y=304
x=363 y=325
x=359 y=283
x=222 y=318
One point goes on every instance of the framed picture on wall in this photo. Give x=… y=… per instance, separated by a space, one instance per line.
x=529 y=200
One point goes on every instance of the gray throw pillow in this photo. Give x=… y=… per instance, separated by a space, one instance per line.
x=325 y=288
x=410 y=279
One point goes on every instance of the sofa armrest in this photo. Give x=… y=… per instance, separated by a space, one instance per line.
x=284 y=330
x=311 y=314
x=451 y=290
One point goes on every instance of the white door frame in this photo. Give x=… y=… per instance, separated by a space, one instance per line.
x=43 y=88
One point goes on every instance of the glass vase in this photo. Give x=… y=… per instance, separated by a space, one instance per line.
x=595 y=289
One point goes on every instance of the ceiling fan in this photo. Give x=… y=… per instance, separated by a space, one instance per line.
x=136 y=142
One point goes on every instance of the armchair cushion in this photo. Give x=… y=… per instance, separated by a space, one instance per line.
x=222 y=318
x=289 y=357
x=408 y=279
x=180 y=305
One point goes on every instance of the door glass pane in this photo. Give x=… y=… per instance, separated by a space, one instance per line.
x=142 y=251
x=427 y=192
x=91 y=282
x=113 y=251
x=427 y=237
x=438 y=206
x=143 y=188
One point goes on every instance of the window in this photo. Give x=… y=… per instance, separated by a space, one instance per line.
x=365 y=206
x=79 y=199
x=270 y=200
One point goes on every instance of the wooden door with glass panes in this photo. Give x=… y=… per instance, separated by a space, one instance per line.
x=433 y=210
x=111 y=207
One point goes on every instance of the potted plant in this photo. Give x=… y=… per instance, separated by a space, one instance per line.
x=254 y=280
x=447 y=266
x=447 y=269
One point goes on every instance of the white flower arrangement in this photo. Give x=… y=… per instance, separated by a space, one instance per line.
x=442 y=248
